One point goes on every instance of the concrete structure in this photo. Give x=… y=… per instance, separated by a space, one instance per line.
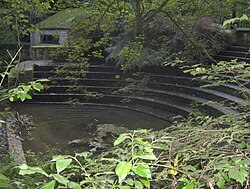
x=49 y=37
x=54 y=31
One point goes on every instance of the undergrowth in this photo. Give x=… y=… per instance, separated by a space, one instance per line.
x=196 y=152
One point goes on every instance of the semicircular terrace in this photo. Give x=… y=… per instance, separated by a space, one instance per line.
x=163 y=92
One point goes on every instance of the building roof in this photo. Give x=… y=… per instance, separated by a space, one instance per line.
x=60 y=20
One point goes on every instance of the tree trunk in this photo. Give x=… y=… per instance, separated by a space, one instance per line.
x=137 y=6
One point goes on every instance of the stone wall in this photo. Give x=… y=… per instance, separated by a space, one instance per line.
x=35 y=37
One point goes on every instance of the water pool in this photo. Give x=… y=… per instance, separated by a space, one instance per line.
x=59 y=125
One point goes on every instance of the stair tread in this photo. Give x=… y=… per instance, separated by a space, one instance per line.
x=181 y=95
x=152 y=97
x=90 y=66
x=143 y=109
x=229 y=97
x=239 y=47
x=77 y=71
x=232 y=57
x=87 y=79
x=200 y=100
x=218 y=93
x=187 y=109
x=240 y=52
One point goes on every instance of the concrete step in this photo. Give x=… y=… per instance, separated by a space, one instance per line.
x=180 y=95
x=115 y=99
x=98 y=75
x=236 y=54
x=229 y=58
x=238 y=48
x=87 y=82
x=74 y=67
x=206 y=93
x=179 y=83
x=164 y=115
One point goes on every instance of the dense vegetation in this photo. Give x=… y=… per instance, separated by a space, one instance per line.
x=199 y=151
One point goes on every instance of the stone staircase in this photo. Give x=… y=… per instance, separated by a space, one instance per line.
x=166 y=92
x=241 y=53
x=240 y=49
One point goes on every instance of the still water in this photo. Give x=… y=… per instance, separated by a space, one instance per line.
x=58 y=125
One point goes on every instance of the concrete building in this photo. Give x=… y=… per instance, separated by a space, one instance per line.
x=52 y=32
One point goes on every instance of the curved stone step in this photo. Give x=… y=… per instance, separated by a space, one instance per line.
x=191 y=82
x=206 y=93
x=238 y=48
x=229 y=58
x=111 y=85
x=114 y=99
x=244 y=82
x=98 y=75
x=78 y=88
x=169 y=90
x=236 y=54
x=166 y=116
x=86 y=82
x=92 y=68
x=210 y=107
x=154 y=94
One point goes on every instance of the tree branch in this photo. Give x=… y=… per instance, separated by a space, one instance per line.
x=155 y=12
x=185 y=34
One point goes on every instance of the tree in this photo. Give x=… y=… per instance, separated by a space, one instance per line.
x=19 y=15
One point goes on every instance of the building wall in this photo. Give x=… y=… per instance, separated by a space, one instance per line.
x=35 y=37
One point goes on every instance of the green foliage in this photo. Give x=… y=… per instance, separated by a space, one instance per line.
x=122 y=169
x=141 y=32
x=243 y=18
x=18 y=14
x=198 y=152
x=22 y=91
x=222 y=72
x=4 y=181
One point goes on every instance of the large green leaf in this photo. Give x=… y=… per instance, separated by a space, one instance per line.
x=240 y=175
x=50 y=185
x=28 y=97
x=121 y=138
x=142 y=170
x=56 y=158
x=122 y=170
x=138 y=185
x=83 y=154
x=74 y=185
x=129 y=181
x=189 y=186
x=27 y=170
x=145 y=182
x=124 y=187
x=221 y=181
x=37 y=86
x=4 y=181
x=148 y=157
x=22 y=96
x=62 y=164
x=4 y=184
x=61 y=179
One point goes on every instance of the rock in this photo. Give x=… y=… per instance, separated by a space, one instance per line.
x=14 y=143
x=77 y=142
